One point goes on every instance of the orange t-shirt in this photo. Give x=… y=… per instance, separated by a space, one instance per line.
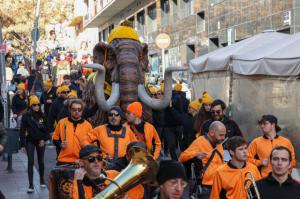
x=201 y=144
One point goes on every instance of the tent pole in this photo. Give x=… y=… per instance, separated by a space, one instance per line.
x=230 y=90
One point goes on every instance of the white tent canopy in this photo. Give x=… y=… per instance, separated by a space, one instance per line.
x=280 y=58
x=268 y=53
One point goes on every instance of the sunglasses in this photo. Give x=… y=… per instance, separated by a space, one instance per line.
x=113 y=114
x=76 y=109
x=216 y=112
x=92 y=159
x=65 y=92
x=35 y=104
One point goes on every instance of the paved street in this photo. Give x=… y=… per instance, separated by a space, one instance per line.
x=14 y=185
x=50 y=155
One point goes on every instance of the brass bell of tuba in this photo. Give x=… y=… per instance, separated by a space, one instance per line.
x=251 y=185
x=142 y=168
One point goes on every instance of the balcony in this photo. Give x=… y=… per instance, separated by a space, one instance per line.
x=104 y=10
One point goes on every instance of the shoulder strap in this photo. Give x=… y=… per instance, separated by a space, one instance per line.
x=140 y=136
x=208 y=162
x=210 y=158
x=80 y=189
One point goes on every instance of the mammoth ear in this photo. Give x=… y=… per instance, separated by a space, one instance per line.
x=111 y=63
x=144 y=58
x=99 y=53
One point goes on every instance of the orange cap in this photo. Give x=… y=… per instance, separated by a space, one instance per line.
x=135 y=108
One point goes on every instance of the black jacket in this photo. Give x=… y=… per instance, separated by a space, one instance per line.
x=173 y=115
x=269 y=188
x=3 y=135
x=189 y=135
x=232 y=129
x=18 y=104
x=54 y=110
x=118 y=164
x=34 y=127
x=49 y=95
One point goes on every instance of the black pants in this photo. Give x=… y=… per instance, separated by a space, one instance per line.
x=30 y=147
x=171 y=138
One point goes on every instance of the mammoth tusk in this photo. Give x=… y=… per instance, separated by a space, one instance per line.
x=99 y=88
x=159 y=104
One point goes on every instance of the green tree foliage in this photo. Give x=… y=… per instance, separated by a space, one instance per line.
x=18 y=19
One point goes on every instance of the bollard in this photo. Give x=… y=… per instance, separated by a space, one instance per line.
x=12 y=146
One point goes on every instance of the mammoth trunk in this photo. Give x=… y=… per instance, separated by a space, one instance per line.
x=128 y=79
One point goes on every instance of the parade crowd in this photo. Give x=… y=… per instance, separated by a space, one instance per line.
x=201 y=151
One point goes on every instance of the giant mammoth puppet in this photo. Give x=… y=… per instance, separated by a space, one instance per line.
x=125 y=60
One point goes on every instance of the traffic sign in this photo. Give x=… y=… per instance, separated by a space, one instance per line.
x=3 y=48
x=37 y=35
x=163 y=40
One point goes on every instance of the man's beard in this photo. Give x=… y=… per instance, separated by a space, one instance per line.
x=130 y=122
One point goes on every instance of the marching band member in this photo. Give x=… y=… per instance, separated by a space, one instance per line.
x=208 y=149
x=89 y=180
x=68 y=133
x=279 y=184
x=113 y=137
x=260 y=148
x=230 y=178
x=172 y=180
x=144 y=131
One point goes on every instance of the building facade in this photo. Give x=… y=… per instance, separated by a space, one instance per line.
x=195 y=27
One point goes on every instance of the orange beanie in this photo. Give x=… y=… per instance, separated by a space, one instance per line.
x=135 y=108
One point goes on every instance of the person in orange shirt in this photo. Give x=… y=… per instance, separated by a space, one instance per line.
x=203 y=148
x=89 y=180
x=229 y=180
x=260 y=148
x=68 y=133
x=144 y=131
x=113 y=137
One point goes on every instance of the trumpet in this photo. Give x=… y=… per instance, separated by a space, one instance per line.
x=249 y=184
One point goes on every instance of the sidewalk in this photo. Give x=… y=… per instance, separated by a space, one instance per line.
x=14 y=185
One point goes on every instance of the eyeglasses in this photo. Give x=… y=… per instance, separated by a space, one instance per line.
x=113 y=114
x=176 y=182
x=216 y=112
x=35 y=104
x=76 y=109
x=92 y=159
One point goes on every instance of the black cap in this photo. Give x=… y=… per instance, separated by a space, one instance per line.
x=135 y=144
x=272 y=119
x=118 y=109
x=87 y=150
x=170 y=169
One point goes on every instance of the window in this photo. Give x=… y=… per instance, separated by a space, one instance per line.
x=165 y=12
x=111 y=27
x=214 y=2
x=100 y=36
x=151 y=14
x=132 y=20
x=201 y=21
x=154 y=62
x=141 y=22
x=190 y=52
x=174 y=7
x=186 y=8
x=105 y=34
x=213 y=43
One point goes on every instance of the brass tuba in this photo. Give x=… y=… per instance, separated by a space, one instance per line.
x=251 y=185
x=142 y=168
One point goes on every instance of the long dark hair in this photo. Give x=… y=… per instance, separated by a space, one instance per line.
x=200 y=118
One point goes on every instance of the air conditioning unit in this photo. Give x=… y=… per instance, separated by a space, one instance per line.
x=286 y=15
